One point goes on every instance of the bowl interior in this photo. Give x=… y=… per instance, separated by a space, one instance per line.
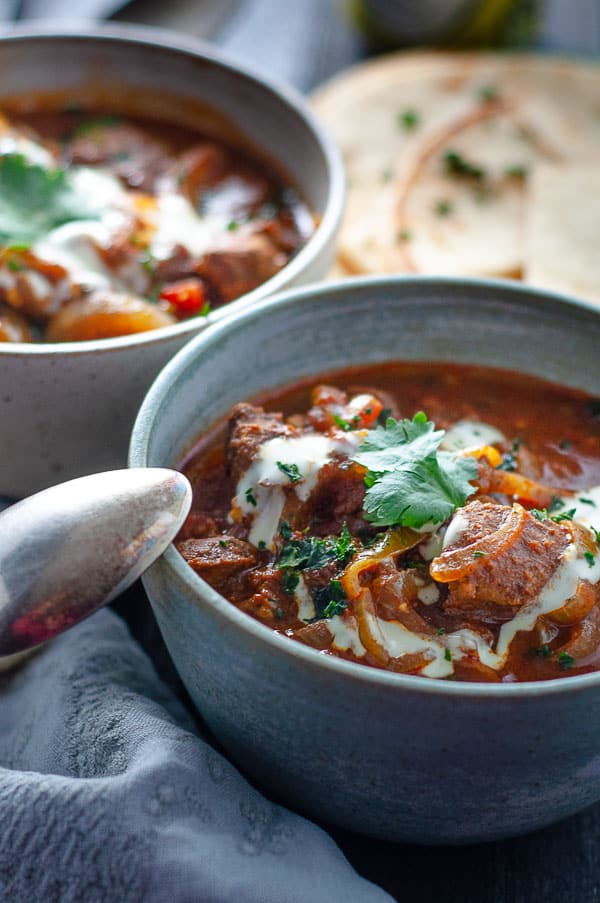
x=319 y=329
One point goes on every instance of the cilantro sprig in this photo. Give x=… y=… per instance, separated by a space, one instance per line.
x=409 y=481
x=35 y=199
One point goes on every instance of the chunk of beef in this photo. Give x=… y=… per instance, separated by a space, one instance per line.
x=249 y=427
x=336 y=499
x=217 y=558
x=134 y=155
x=242 y=260
x=316 y=635
x=499 y=557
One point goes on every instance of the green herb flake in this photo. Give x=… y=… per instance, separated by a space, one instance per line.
x=404 y=235
x=565 y=660
x=564 y=515
x=596 y=534
x=409 y=119
x=409 y=481
x=488 y=93
x=14 y=265
x=344 y=545
x=289 y=581
x=205 y=309
x=223 y=543
x=444 y=207
x=457 y=165
x=556 y=503
x=447 y=655
x=441 y=631
x=99 y=122
x=278 y=613
x=509 y=461
x=539 y=513
x=291 y=471
x=564 y=444
x=250 y=497
x=590 y=558
x=285 y=530
x=587 y=502
x=543 y=651
x=262 y=545
x=341 y=423
x=479 y=554
x=518 y=171
x=387 y=175
x=232 y=225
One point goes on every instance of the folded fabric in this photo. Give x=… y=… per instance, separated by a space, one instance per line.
x=109 y=795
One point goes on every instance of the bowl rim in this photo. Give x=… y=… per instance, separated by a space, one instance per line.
x=202 y=593
x=286 y=94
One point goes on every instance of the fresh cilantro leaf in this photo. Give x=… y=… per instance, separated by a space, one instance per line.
x=291 y=471
x=564 y=515
x=420 y=492
x=397 y=440
x=285 y=529
x=457 y=165
x=590 y=558
x=250 y=497
x=34 y=200
x=539 y=513
x=408 y=480
x=341 y=423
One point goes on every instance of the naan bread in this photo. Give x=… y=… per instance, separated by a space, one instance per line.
x=562 y=230
x=402 y=120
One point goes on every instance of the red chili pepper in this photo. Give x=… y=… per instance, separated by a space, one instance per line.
x=187 y=296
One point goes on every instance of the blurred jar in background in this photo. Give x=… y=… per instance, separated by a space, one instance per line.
x=448 y=23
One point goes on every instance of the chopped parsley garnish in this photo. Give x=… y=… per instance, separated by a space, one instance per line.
x=409 y=119
x=518 y=171
x=34 y=200
x=285 y=530
x=262 y=545
x=341 y=423
x=565 y=660
x=291 y=471
x=223 y=543
x=588 y=502
x=447 y=655
x=330 y=600
x=556 y=503
x=98 y=122
x=250 y=497
x=289 y=581
x=404 y=235
x=590 y=558
x=444 y=207
x=596 y=535
x=441 y=631
x=543 y=651
x=205 y=309
x=232 y=225
x=539 y=513
x=313 y=552
x=564 y=444
x=488 y=93
x=457 y=165
x=14 y=265
x=409 y=481
x=278 y=613
x=509 y=459
x=564 y=515
x=478 y=554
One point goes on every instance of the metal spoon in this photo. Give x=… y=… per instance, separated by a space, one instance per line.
x=67 y=551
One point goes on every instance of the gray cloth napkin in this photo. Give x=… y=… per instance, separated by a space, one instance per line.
x=109 y=795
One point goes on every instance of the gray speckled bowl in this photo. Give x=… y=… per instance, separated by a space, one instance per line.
x=67 y=410
x=400 y=757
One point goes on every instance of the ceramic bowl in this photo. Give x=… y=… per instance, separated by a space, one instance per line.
x=400 y=757
x=67 y=410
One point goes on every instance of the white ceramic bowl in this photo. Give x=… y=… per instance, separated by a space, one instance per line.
x=67 y=410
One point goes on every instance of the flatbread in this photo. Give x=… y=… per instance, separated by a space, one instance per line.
x=562 y=230
x=398 y=118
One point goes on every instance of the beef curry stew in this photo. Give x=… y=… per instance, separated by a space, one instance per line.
x=460 y=543
x=111 y=225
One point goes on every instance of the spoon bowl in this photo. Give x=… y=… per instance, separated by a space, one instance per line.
x=67 y=551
